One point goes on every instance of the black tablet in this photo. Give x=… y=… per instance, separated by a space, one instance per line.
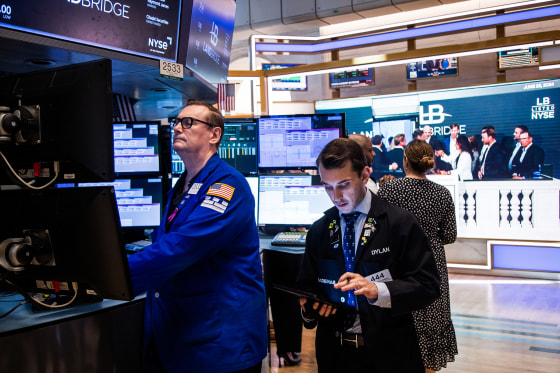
x=314 y=297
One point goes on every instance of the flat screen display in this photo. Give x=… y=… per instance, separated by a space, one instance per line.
x=136 y=147
x=144 y=28
x=295 y=141
x=239 y=145
x=139 y=201
x=505 y=106
x=207 y=48
x=351 y=78
x=518 y=58
x=294 y=83
x=291 y=200
x=431 y=68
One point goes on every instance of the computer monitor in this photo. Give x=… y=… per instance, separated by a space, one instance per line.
x=63 y=115
x=136 y=148
x=293 y=83
x=239 y=145
x=351 y=78
x=432 y=68
x=295 y=141
x=69 y=235
x=291 y=200
x=139 y=200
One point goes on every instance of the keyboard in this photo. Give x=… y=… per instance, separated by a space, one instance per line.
x=289 y=239
x=136 y=246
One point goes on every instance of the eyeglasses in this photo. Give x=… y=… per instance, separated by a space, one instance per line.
x=187 y=122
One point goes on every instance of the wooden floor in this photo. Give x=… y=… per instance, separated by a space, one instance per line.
x=503 y=325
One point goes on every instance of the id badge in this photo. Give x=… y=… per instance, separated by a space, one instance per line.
x=381 y=276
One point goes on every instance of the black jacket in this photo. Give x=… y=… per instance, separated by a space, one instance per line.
x=397 y=243
x=495 y=164
x=534 y=158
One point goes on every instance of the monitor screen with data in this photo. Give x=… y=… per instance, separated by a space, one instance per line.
x=295 y=141
x=293 y=83
x=139 y=200
x=351 y=78
x=239 y=145
x=291 y=200
x=136 y=147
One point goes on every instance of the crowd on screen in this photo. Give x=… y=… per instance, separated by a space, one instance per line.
x=467 y=158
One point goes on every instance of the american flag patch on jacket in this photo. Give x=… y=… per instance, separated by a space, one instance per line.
x=221 y=190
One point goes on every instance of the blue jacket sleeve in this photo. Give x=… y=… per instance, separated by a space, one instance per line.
x=197 y=236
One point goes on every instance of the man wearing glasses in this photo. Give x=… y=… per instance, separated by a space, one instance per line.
x=529 y=158
x=205 y=299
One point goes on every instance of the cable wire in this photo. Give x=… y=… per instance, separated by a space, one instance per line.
x=56 y=166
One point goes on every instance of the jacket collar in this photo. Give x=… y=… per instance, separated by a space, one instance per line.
x=376 y=212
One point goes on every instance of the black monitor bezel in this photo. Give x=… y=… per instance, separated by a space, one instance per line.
x=85 y=235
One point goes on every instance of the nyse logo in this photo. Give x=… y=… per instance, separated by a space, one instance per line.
x=214 y=34
x=544 y=109
x=435 y=114
x=159 y=44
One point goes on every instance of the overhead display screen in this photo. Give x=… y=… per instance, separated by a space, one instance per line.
x=209 y=39
x=503 y=106
x=518 y=58
x=146 y=28
x=294 y=83
x=431 y=68
x=351 y=78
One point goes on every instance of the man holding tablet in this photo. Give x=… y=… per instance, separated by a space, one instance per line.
x=373 y=257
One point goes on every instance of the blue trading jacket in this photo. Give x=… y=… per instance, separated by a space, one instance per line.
x=205 y=302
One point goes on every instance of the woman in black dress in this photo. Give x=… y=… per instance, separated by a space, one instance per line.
x=433 y=206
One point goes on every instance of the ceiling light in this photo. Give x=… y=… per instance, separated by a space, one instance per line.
x=409 y=60
x=549 y=67
x=410 y=33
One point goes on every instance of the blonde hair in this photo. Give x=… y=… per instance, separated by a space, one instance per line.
x=420 y=155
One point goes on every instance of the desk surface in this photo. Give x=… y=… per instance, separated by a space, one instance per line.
x=24 y=317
